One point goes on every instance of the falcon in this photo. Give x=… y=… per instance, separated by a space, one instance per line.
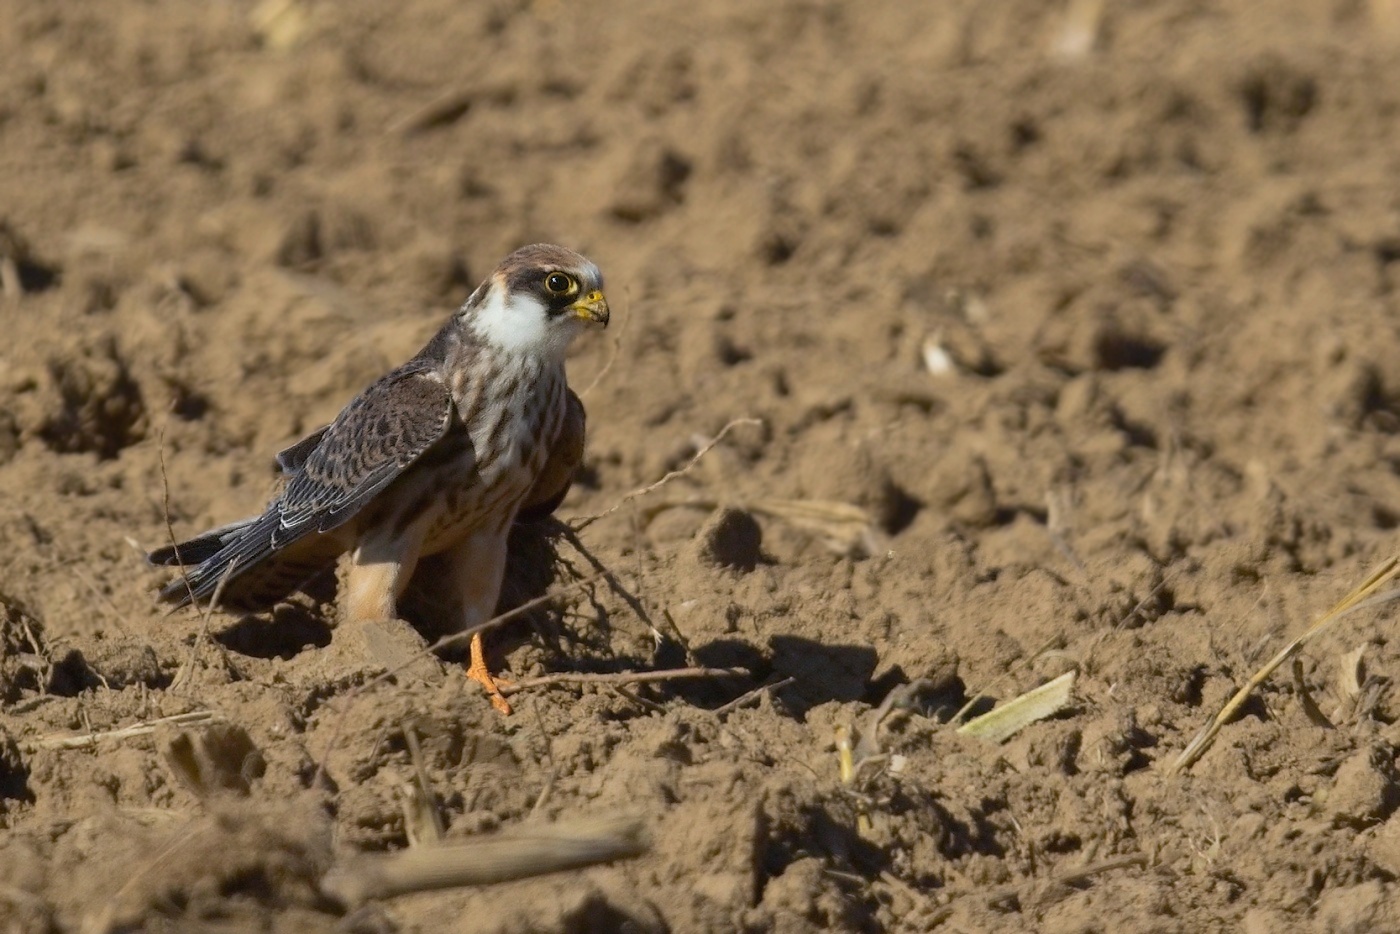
x=438 y=457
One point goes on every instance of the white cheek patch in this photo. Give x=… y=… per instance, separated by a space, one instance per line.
x=519 y=324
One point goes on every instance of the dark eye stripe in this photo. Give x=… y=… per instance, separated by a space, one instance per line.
x=531 y=279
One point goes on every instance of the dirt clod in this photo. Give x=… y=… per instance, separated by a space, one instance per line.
x=731 y=538
x=1366 y=789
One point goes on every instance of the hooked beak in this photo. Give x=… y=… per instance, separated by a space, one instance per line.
x=592 y=308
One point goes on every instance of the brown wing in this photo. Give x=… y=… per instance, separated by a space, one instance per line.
x=293 y=458
x=378 y=436
x=564 y=459
x=374 y=440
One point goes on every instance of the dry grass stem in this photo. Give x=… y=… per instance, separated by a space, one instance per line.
x=1058 y=507
x=165 y=511
x=1141 y=605
x=845 y=528
x=602 y=570
x=1015 y=715
x=186 y=673
x=1054 y=642
x=144 y=728
x=513 y=854
x=849 y=768
x=545 y=793
x=421 y=816
x=115 y=614
x=1364 y=596
x=1085 y=873
x=466 y=634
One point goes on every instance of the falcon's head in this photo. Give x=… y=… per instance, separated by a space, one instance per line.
x=537 y=301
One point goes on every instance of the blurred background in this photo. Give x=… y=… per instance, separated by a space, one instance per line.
x=1072 y=326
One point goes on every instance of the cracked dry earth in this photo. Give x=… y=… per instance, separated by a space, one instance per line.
x=1072 y=330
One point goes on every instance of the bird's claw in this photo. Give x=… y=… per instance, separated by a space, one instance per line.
x=478 y=672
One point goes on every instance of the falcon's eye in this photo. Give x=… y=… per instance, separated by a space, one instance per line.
x=557 y=283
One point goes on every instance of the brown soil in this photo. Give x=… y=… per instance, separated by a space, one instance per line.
x=1163 y=276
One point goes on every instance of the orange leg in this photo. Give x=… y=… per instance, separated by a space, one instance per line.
x=478 y=565
x=481 y=674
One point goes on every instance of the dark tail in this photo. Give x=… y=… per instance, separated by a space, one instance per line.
x=200 y=548
x=254 y=572
x=226 y=552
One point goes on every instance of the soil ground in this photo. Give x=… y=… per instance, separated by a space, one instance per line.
x=1092 y=313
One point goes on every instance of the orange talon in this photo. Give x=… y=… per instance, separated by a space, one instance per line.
x=478 y=672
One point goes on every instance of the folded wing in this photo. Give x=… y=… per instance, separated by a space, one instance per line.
x=331 y=476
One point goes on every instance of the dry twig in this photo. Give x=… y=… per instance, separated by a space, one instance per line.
x=623 y=677
x=751 y=696
x=1085 y=873
x=466 y=634
x=602 y=570
x=616 y=346
x=144 y=728
x=445 y=109
x=584 y=522
x=845 y=528
x=515 y=854
x=186 y=672
x=445 y=641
